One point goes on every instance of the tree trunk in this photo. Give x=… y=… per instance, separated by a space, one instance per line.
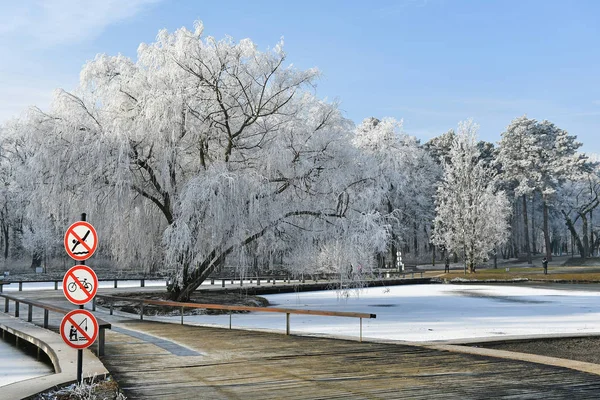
x=415 y=239
x=394 y=252
x=546 y=231
x=586 y=242
x=592 y=233
x=574 y=236
x=496 y=258
x=526 y=231
x=533 y=241
x=6 y=233
x=36 y=261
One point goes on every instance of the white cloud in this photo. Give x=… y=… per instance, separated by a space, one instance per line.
x=57 y=22
x=18 y=97
x=28 y=29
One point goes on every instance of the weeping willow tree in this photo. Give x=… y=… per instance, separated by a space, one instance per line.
x=204 y=152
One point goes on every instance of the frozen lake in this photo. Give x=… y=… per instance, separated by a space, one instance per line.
x=18 y=366
x=433 y=312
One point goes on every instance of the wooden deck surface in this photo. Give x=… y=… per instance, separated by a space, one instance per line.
x=236 y=364
x=153 y=360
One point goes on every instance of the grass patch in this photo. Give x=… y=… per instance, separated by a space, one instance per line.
x=527 y=273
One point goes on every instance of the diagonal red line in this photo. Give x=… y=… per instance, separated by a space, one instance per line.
x=89 y=294
x=80 y=329
x=72 y=232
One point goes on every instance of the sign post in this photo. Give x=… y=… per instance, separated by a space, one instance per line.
x=79 y=328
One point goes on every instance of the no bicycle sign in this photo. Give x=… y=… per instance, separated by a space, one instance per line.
x=80 y=284
x=81 y=240
x=79 y=329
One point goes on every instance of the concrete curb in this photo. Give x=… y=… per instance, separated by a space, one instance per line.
x=63 y=357
x=590 y=368
x=464 y=348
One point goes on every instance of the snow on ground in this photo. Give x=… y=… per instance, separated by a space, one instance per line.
x=17 y=366
x=432 y=312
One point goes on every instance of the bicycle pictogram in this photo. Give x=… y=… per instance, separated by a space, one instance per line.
x=73 y=286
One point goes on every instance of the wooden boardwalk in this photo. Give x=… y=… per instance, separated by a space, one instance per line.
x=236 y=364
x=153 y=360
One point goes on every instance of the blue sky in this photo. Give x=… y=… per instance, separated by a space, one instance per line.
x=432 y=63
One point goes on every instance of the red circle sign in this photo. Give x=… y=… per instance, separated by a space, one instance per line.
x=81 y=240
x=80 y=284
x=79 y=329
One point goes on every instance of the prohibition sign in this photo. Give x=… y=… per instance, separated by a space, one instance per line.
x=80 y=284
x=79 y=329
x=81 y=240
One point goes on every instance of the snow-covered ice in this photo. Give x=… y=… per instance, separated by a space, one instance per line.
x=17 y=366
x=432 y=312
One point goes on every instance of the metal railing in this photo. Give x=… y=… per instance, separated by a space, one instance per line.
x=102 y=325
x=238 y=280
x=287 y=311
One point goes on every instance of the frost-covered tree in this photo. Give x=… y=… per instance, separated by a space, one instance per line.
x=577 y=199
x=206 y=152
x=518 y=160
x=23 y=208
x=407 y=175
x=538 y=156
x=471 y=215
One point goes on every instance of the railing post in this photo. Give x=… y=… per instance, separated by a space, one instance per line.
x=111 y=306
x=29 y=313
x=115 y=283
x=181 y=315
x=20 y=286
x=142 y=282
x=6 y=304
x=212 y=281
x=257 y=281
x=101 y=342
x=229 y=319
x=16 y=309
x=361 y=329
x=94 y=304
x=141 y=310
x=274 y=280
x=1 y=285
x=287 y=323
x=55 y=285
x=223 y=283
x=46 y=319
